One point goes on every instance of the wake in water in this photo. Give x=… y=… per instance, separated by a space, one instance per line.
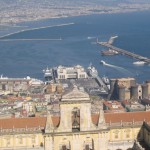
x=112 y=39
x=90 y=37
x=31 y=29
x=121 y=69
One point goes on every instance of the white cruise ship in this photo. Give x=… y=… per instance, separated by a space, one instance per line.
x=48 y=74
x=92 y=71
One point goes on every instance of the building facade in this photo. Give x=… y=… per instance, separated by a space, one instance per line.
x=127 y=88
x=76 y=128
x=76 y=72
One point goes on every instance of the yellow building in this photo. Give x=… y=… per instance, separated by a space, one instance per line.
x=76 y=128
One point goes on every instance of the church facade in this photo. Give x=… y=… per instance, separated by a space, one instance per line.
x=76 y=128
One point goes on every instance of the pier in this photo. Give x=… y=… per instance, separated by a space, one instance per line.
x=101 y=83
x=6 y=40
x=125 y=52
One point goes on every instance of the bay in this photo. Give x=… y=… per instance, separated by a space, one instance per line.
x=19 y=58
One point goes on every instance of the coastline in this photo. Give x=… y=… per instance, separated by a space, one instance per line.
x=17 y=23
x=40 y=54
x=28 y=24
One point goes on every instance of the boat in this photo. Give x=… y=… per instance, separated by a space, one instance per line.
x=139 y=63
x=92 y=71
x=106 y=80
x=1 y=77
x=109 y=52
x=103 y=62
x=48 y=74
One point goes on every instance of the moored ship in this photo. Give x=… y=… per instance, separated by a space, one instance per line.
x=109 y=52
x=92 y=71
x=106 y=81
x=48 y=74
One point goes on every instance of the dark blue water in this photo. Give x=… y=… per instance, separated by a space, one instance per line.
x=22 y=58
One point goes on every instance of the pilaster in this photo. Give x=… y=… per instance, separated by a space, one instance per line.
x=49 y=143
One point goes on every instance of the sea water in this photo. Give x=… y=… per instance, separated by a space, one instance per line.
x=72 y=40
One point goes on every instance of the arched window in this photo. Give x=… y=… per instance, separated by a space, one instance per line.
x=65 y=145
x=41 y=144
x=8 y=141
x=127 y=132
x=20 y=140
x=75 y=119
x=88 y=144
x=33 y=139
x=116 y=134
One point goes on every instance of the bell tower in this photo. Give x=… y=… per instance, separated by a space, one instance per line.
x=75 y=108
x=75 y=117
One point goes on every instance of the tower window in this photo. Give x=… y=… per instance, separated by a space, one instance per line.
x=64 y=147
x=116 y=136
x=127 y=135
x=76 y=120
x=87 y=147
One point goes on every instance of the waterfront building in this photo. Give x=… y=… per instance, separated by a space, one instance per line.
x=146 y=90
x=120 y=88
x=127 y=88
x=16 y=85
x=75 y=72
x=9 y=85
x=76 y=128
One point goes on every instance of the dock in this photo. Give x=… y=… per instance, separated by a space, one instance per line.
x=125 y=52
x=101 y=83
x=6 y=40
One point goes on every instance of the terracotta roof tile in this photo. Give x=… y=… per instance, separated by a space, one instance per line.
x=124 y=117
x=22 y=122
x=128 y=117
x=41 y=121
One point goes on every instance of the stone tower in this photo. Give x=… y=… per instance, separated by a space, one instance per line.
x=75 y=125
x=79 y=103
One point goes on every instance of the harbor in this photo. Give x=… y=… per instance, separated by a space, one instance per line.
x=86 y=79
x=125 y=52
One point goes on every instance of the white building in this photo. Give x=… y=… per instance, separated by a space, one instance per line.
x=28 y=106
x=75 y=72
